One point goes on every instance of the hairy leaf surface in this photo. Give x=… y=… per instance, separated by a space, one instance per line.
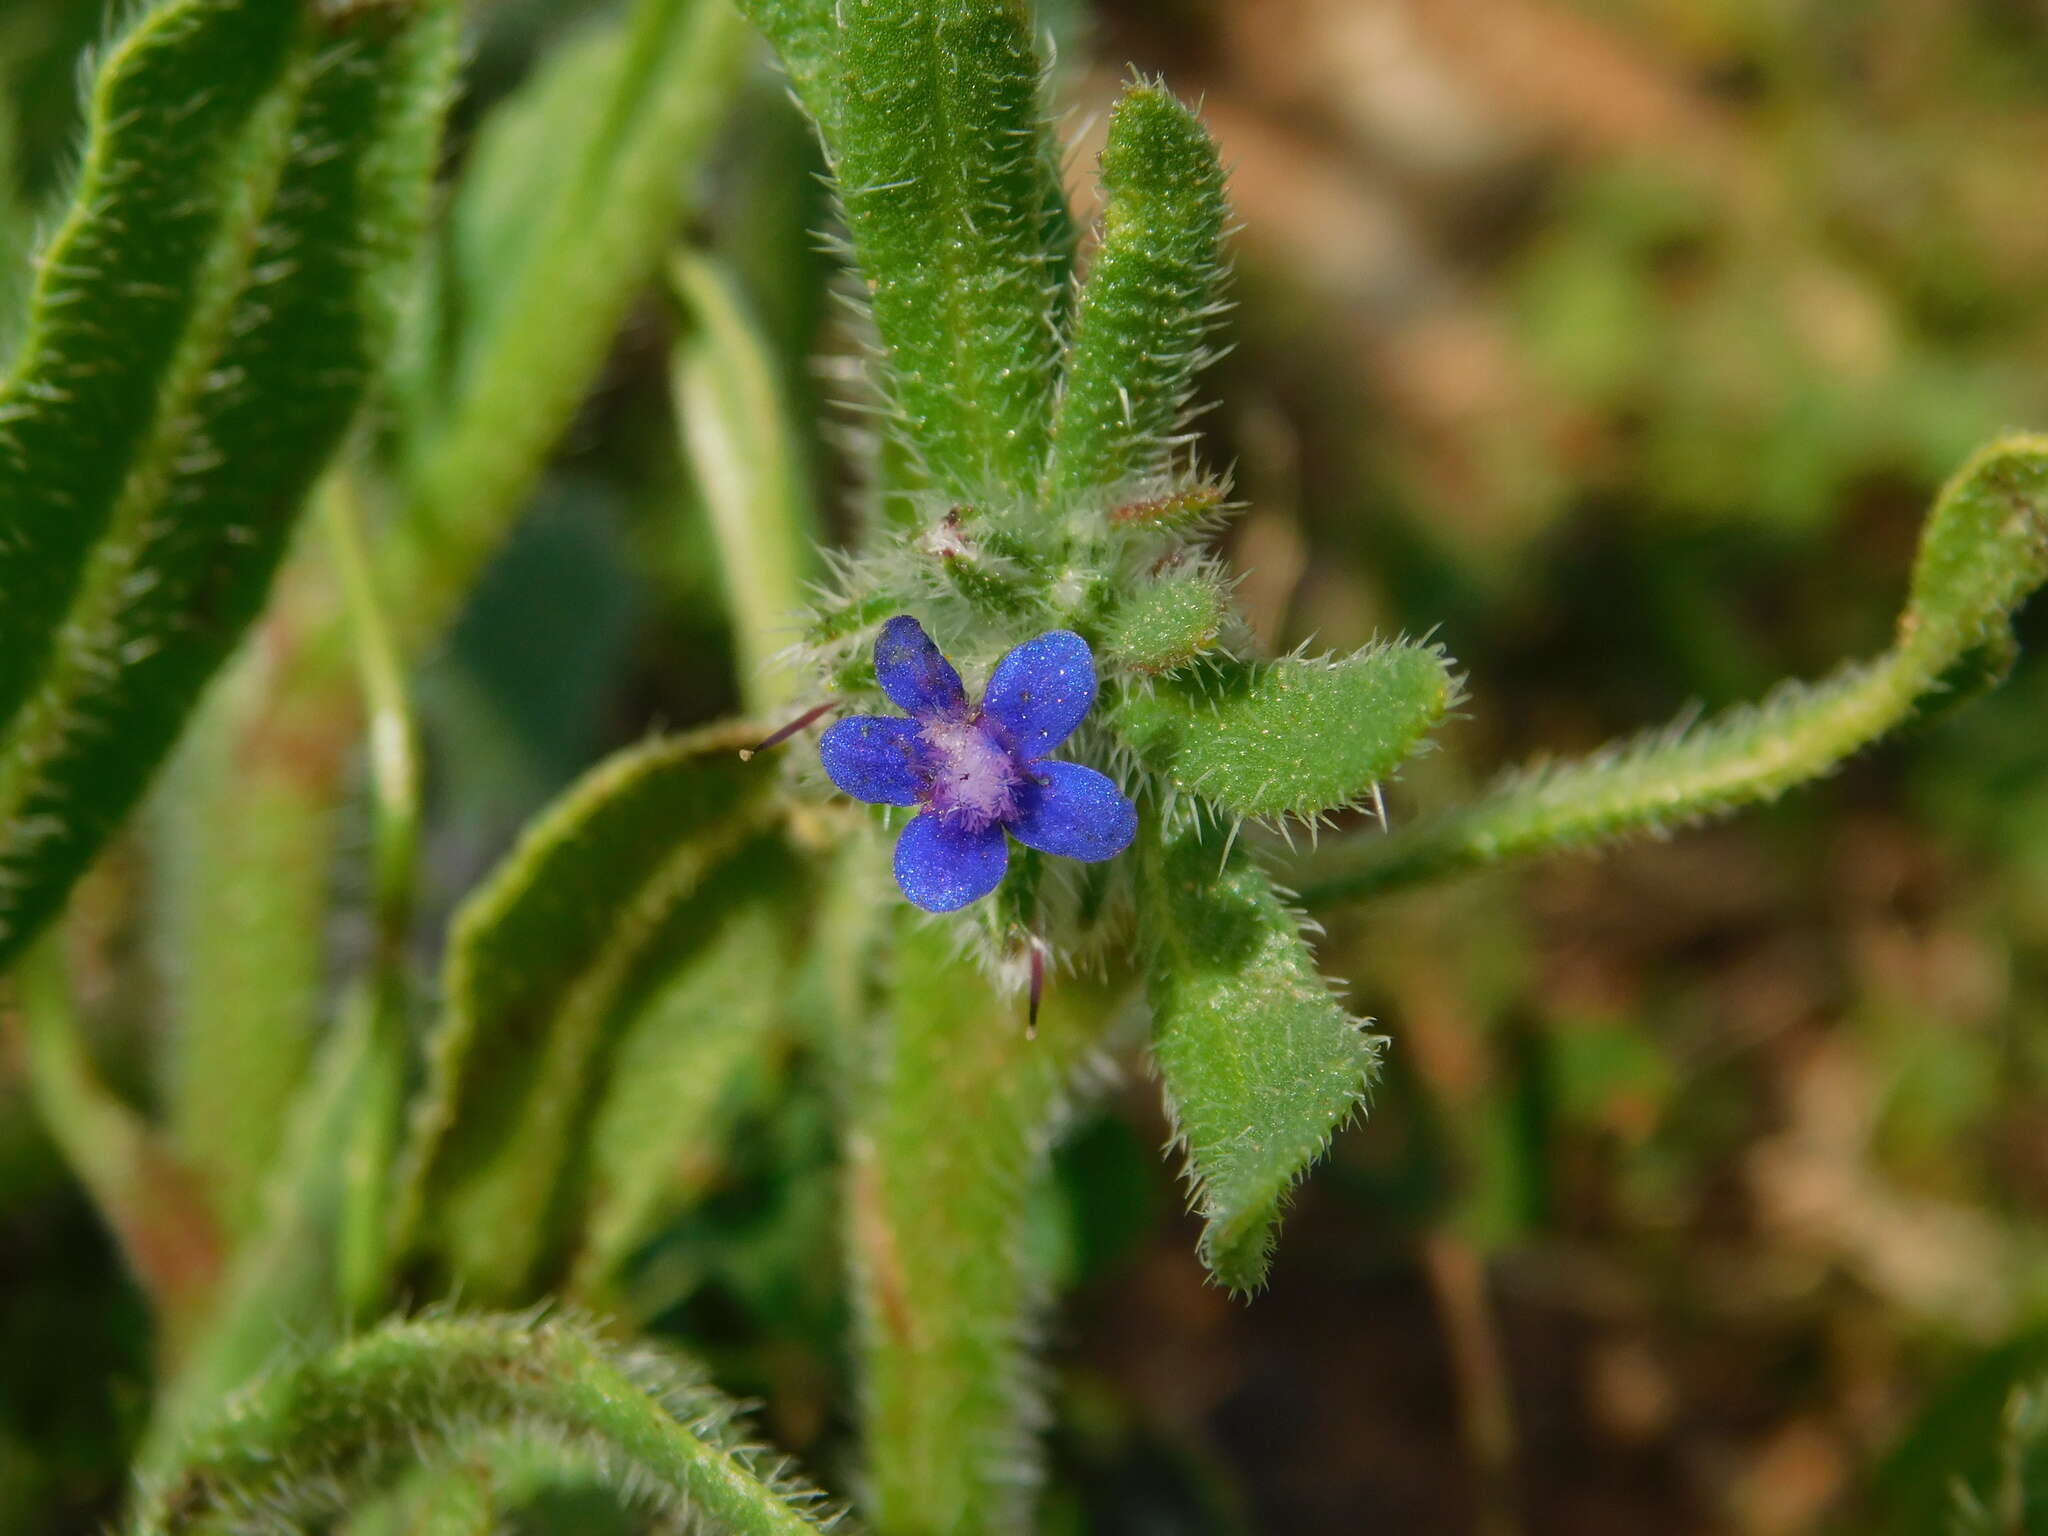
x=1151 y=298
x=203 y=330
x=705 y=1023
x=319 y=1439
x=540 y=960
x=1983 y=553
x=1260 y=1063
x=931 y=118
x=1289 y=738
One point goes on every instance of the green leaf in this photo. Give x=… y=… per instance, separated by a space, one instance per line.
x=1983 y=553
x=932 y=122
x=1259 y=1062
x=541 y=959
x=204 y=327
x=742 y=446
x=1168 y=624
x=672 y=1092
x=579 y=183
x=1150 y=302
x=317 y=1440
x=1289 y=738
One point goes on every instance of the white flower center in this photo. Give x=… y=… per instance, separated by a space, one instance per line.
x=974 y=779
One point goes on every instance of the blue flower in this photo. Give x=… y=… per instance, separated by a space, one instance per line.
x=979 y=774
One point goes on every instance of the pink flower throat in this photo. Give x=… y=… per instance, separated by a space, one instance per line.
x=974 y=778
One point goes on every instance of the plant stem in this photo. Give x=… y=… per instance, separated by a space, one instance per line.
x=948 y=1140
x=155 y=1209
x=364 y=1250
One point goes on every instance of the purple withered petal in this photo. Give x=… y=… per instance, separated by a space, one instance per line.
x=1041 y=691
x=942 y=866
x=875 y=758
x=1074 y=812
x=918 y=680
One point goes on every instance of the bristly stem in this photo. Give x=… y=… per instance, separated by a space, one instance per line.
x=950 y=1132
x=1984 y=552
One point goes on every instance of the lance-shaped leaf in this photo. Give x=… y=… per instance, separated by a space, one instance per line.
x=931 y=118
x=742 y=447
x=1260 y=1063
x=1289 y=738
x=541 y=958
x=577 y=185
x=1169 y=623
x=1152 y=297
x=203 y=329
x=313 y=1442
x=704 y=1025
x=1983 y=553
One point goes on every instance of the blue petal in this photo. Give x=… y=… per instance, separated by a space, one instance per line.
x=1041 y=691
x=1076 y=813
x=874 y=758
x=912 y=672
x=941 y=867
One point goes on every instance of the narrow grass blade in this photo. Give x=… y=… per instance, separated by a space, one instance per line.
x=578 y=184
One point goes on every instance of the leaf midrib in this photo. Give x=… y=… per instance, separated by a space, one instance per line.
x=37 y=729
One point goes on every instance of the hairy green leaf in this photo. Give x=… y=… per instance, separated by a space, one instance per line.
x=1259 y=1062
x=1983 y=553
x=1169 y=623
x=1152 y=297
x=742 y=446
x=1289 y=738
x=318 y=1439
x=707 y=1021
x=579 y=182
x=931 y=118
x=203 y=329
x=540 y=960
